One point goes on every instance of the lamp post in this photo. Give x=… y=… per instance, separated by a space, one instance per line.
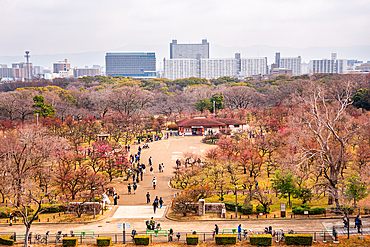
x=236 y=202
x=93 y=190
x=37 y=118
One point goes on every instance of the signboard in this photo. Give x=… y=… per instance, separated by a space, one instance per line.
x=282 y=210
x=120 y=225
x=127 y=225
x=261 y=214
x=305 y=212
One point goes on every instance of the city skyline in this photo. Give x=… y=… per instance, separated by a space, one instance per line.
x=53 y=27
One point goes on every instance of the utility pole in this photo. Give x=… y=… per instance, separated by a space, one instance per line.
x=214 y=108
x=27 y=56
x=236 y=202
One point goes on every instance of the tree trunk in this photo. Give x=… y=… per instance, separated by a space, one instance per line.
x=28 y=227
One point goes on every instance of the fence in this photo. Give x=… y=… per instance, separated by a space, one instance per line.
x=90 y=237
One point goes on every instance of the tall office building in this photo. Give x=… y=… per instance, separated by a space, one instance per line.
x=131 y=64
x=193 y=51
x=61 y=66
x=334 y=65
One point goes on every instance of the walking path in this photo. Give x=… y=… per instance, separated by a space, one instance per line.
x=133 y=209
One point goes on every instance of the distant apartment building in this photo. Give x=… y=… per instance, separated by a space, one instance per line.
x=61 y=66
x=333 y=65
x=194 y=51
x=253 y=66
x=281 y=71
x=5 y=72
x=292 y=63
x=22 y=70
x=214 y=67
x=131 y=64
x=80 y=72
x=181 y=68
x=365 y=67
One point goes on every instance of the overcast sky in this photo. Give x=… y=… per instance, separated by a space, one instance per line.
x=71 y=26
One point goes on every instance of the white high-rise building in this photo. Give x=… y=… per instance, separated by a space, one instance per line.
x=334 y=65
x=215 y=68
x=253 y=66
x=181 y=68
x=293 y=63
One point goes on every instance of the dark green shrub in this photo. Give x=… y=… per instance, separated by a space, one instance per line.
x=70 y=241
x=260 y=209
x=6 y=240
x=298 y=239
x=311 y=211
x=104 y=241
x=222 y=239
x=316 y=210
x=142 y=239
x=261 y=239
x=247 y=209
x=192 y=239
x=231 y=206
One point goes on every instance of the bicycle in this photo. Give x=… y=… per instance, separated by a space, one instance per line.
x=44 y=240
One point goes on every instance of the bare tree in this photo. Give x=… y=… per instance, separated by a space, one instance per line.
x=325 y=130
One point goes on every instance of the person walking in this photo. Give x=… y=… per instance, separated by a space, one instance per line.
x=151 y=222
x=155 y=205
x=345 y=221
x=135 y=187
x=147 y=197
x=170 y=235
x=358 y=223
x=240 y=232
x=11 y=219
x=151 y=170
x=129 y=188
x=160 y=202
x=115 y=198
x=154 y=183
x=162 y=168
x=216 y=229
x=150 y=161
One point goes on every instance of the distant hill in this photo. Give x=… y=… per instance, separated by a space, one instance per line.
x=216 y=51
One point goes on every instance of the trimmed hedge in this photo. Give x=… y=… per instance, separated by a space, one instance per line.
x=247 y=209
x=223 y=239
x=6 y=240
x=231 y=206
x=70 y=241
x=104 y=241
x=311 y=211
x=142 y=239
x=298 y=239
x=261 y=239
x=192 y=239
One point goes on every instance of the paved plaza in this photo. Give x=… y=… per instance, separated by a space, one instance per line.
x=138 y=212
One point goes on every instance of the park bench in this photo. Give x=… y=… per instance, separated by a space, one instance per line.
x=156 y=232
x=85 y=234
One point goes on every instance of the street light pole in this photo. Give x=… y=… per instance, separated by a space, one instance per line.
x=236 y=202
x=37 y=118
x=93 y=189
